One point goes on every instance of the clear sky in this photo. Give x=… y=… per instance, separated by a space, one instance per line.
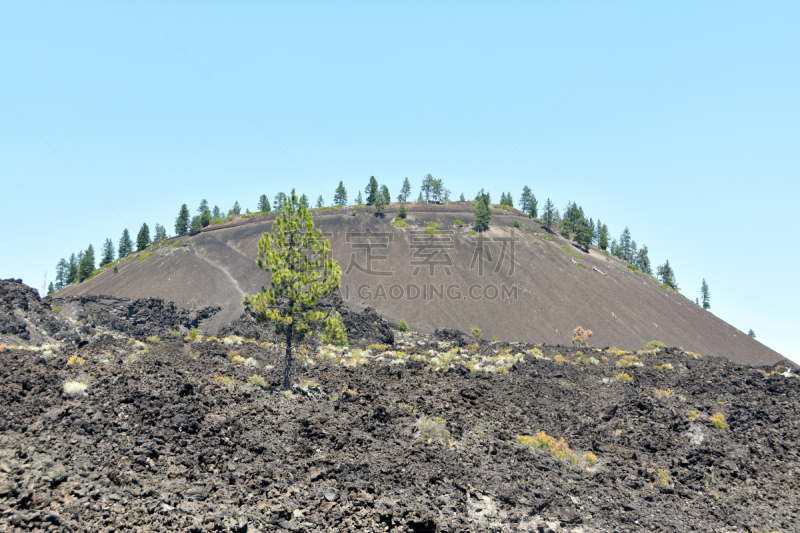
x=676 y=119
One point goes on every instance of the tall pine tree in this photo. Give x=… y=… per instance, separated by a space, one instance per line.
x=371 y=190
x=161 y=233
x=602 y=238
x=320 y=201
x=263 y=204
x=62 y=273
x=87 y=264
x=108 y=253
x=340 y=197
x=125 y=245
x=706 y=295
x=667 y=276
x=143 y=239
x=236 y=209
x=405 y=191
x=483 y=214
x=549 y=216
x=182 y=222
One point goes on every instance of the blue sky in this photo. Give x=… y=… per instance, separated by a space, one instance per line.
x=677 y=119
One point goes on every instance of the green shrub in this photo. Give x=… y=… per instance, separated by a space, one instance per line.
x=719 y=421
x=516 y=223
x=116 y=269
x=582 y=266
x=144 y=256
x=401 y=212
x=403 y=325
x=257 y=381
x=154 y=339
x=175 y=333
x=494 y=339
x=458 y=223
x=433 y=429
x=537 y=221
x=399 y=223
x=570 y=252
x=657 y=345
x=472 y=232
x=434 y=224
x=476 y=332
x=634 y=268
x=432 y=231
x=75 y=388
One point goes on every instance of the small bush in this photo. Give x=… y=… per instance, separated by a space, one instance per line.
x=154 y=339
x=476 y=333
x=634 y=268
x=580 y=337
x=193 y=335
x=719 y=421
x=235 y=357
x=666 y=393
x=458 y=223
x=570 y=252
x=516 y=223
x=560 y=358
x=250 y=363
x=622 y=376
x=75 y=388
x=662 y=478
x=692 y=415
x=175 y=333
x=57 y=309
x=257 y=381
x=583 y=266
x=657 y=345
x=587 y=360
x=229 y=383
x=559 y=448
x=665 y=366
x=432 y=231
x=433 y=429
x=401 y=212
x=144 y=256
x=399 y=223
x=472 y=232
x=403 y=326
x=434 y=224
x=695 y=355
x=76 y=360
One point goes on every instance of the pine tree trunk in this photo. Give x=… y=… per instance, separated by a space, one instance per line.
x=287 y=370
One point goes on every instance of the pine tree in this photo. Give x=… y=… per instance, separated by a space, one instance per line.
x=205 y=218
x=583 y=234
x=381 y=201
x=216 y=212
x=359 y=199
x=125 y=245
x=320 y=201
x=296 y=255
x=751 y=334
x=371 y=190
x=143 y=239
x=402 y=212
x=236 y=209
x=643 y=261
x=72 y=269
x=405 y=191
x=108 y=253
x=596 y=232
x=461 y=198
x=280 y=199
x=625 y=251
x=527 y=202
x=509 y=200
x=706 y=295
x=420 y=198
x=385 y=193
x=182 y=222
x=161 y=233
x=62 y=273
x=614 y=248
x=667 y=276
x=340 y=197
x=549 y=214
x=51 y=289
x=203 y=207
x=87 y=264
x=502 y=198
x=602 y=239
x=481 y=194
x=195 y=225
x=304 y=201
x=263 y=204
x=428 y=183
x=483 y=214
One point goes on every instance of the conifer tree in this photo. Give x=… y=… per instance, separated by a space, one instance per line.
x=461 y=198
x=182 y=222
x=420 y=198
x=502 y=198
x=205 y=218
x=340 y=197
x=359 y=199
x=125 y=245
x=320 y=201
x=596 y=232
x=428 y=183
x=203 y=207
x=301 y=273
x=263 y=204
x=405 y=191
x=280 y=199
x=751 y=334
x=483 y=193
x=51 y=289
x=583 y=234
x=87 y=264
x=381 y=202
x=643 y=261
x=625 y=250
x=196 y=224
x=371 y=190
x=483 y=214
x=304 y=201
x=108 y=253
x=527 y=202
x=236 y=209
x=667 y=276
x=402 y=212
x=143 y=239
x=706 y=295
x=161 y=233
x=62 y=273
x=549 y=215
x=216 y=212
x=602 y=239
x=386 y=196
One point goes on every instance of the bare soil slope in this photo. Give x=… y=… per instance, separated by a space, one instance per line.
x=532 y=291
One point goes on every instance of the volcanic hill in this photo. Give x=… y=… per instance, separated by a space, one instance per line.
x=522 y=284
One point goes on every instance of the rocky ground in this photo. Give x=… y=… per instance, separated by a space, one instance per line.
x=418 y=434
